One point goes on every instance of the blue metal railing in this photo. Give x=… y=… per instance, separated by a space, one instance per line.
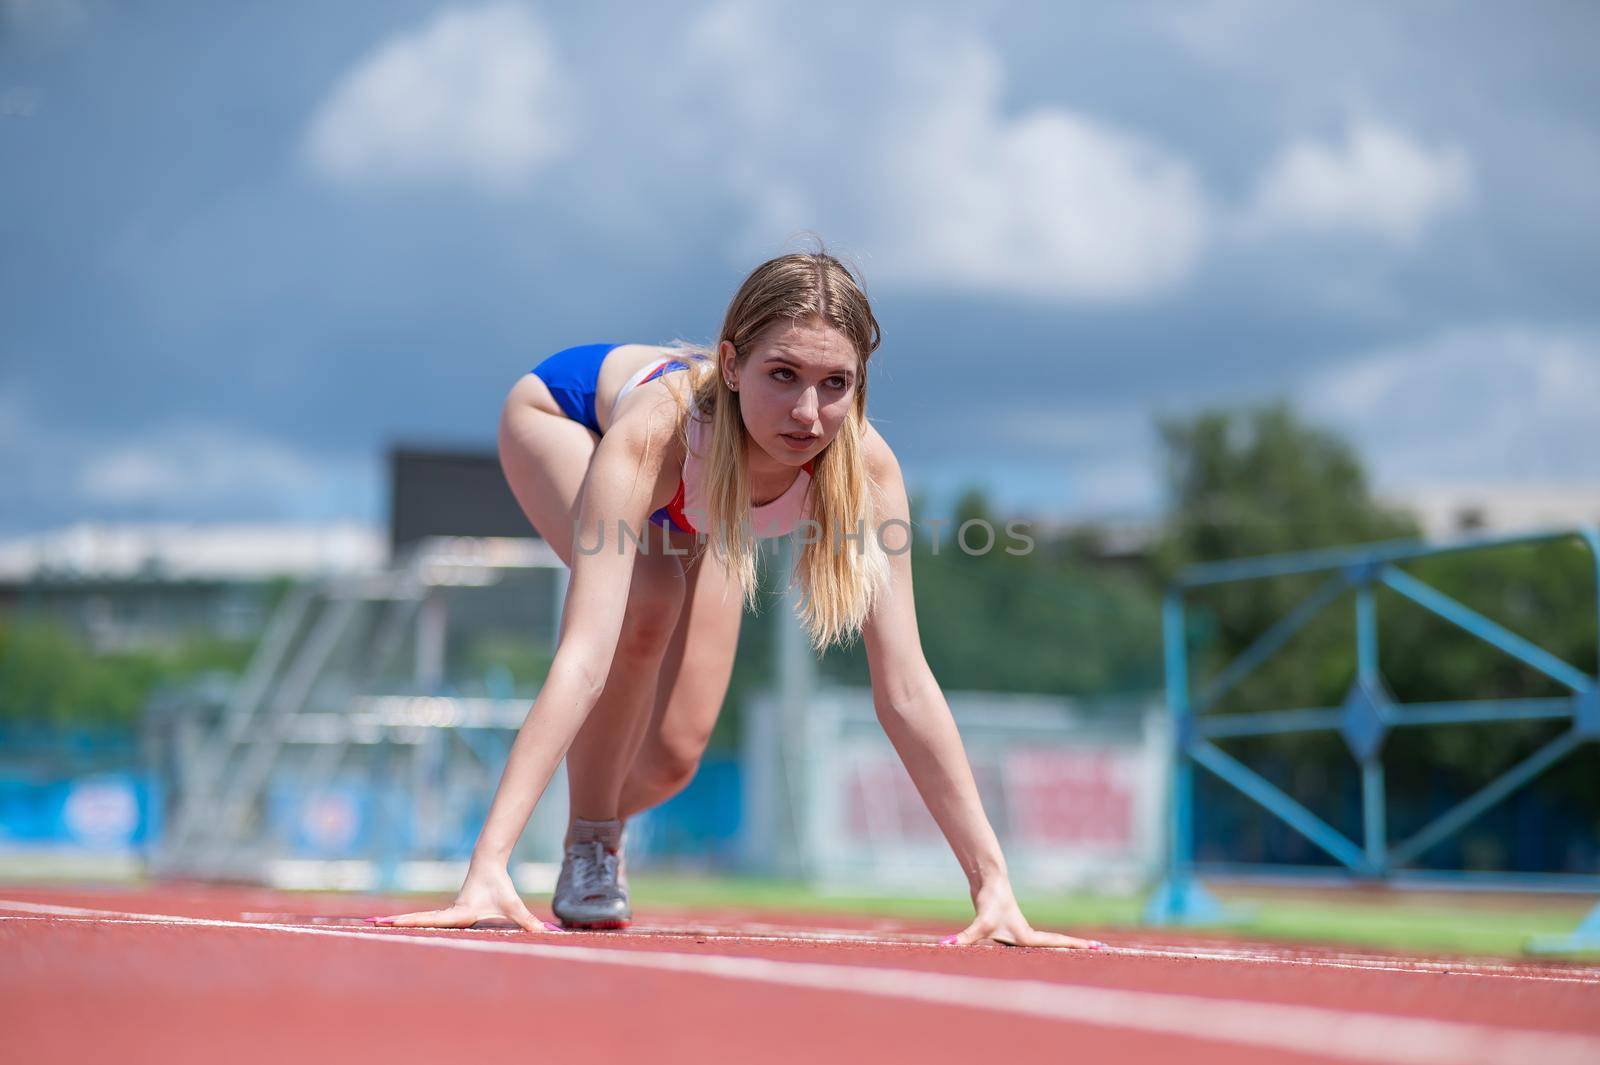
x=1364 y=718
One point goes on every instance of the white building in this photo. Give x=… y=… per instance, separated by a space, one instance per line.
x=194 y=551
x=125 y=585
x=1489 y=508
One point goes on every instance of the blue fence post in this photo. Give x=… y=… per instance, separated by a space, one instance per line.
x=1365 y=718
x=1586 y=937
x=1180 y=898
x=1374 y=810
x=1585 y=726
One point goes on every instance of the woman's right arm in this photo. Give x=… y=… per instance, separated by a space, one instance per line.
x=623 y=479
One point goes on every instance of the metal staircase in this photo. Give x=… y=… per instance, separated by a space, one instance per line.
x=329 y=685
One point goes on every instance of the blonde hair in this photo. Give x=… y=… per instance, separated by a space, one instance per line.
x=842 y=569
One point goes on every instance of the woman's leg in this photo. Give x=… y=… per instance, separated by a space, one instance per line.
x=694 y=681
x=598 y=760
x=545 y=456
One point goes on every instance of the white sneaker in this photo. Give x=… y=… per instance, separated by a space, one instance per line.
x=588 y=892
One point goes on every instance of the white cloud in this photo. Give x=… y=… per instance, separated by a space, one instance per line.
x=1378 y=181
x=471 y=97
x=1118 y=487
x=1301 y=49
x=1066 y=431
x=915 y=155
x=187 y=469
x=1511 y=403
x=1108 y=455
x=1049 y=202
x=204 y=465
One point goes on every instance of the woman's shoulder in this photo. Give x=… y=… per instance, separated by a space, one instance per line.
x=650 y=421
x=880 y=457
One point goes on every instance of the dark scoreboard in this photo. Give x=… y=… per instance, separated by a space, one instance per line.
x=449 y=492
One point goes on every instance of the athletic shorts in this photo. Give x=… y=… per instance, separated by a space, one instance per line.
x=572 y=375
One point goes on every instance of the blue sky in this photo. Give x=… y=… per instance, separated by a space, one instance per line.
x=244 y=247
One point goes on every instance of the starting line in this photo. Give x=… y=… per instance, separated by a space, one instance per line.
x=1259 y=954
x=1347 y=1034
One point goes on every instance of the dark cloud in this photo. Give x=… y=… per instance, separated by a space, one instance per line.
x=172 y=272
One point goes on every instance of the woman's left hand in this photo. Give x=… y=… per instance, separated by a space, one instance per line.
x=1000 y=919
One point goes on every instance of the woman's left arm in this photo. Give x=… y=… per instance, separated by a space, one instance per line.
x=914 y=714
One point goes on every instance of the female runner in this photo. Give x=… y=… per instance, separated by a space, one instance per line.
x=706 y=453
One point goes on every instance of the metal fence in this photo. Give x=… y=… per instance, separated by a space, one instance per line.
x=1364 y=719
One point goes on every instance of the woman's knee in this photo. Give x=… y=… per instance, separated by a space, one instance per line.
x=673 y=759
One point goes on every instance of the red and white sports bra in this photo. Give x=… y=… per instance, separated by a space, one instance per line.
x=776 y=517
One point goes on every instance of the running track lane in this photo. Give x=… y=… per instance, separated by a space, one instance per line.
x=84 y=983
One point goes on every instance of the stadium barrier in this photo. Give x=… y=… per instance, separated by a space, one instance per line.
x=1364 y=718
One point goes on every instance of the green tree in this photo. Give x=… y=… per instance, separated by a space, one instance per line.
x=1260 y=481
x=49 y=675
x=1023 y=614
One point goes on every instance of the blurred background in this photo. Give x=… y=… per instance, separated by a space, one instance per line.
x=1172 y=283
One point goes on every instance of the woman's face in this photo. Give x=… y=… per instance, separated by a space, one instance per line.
x=795 y=388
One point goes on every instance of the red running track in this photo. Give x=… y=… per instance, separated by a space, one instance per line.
x=190 y=973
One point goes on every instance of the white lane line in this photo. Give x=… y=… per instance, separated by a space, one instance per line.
x=636 y=933
x=1259 y=955
x=1373 y=963
x=1313 y=1030
x=759 y=930
x=754 y=933
x=1254 y=953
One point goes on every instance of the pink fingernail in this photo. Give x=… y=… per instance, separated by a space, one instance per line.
x=548 y=927
x=383 y=920
x=1095 y=944
x=948 y=941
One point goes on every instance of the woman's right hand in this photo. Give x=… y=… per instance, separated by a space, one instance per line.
x=486 y=894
